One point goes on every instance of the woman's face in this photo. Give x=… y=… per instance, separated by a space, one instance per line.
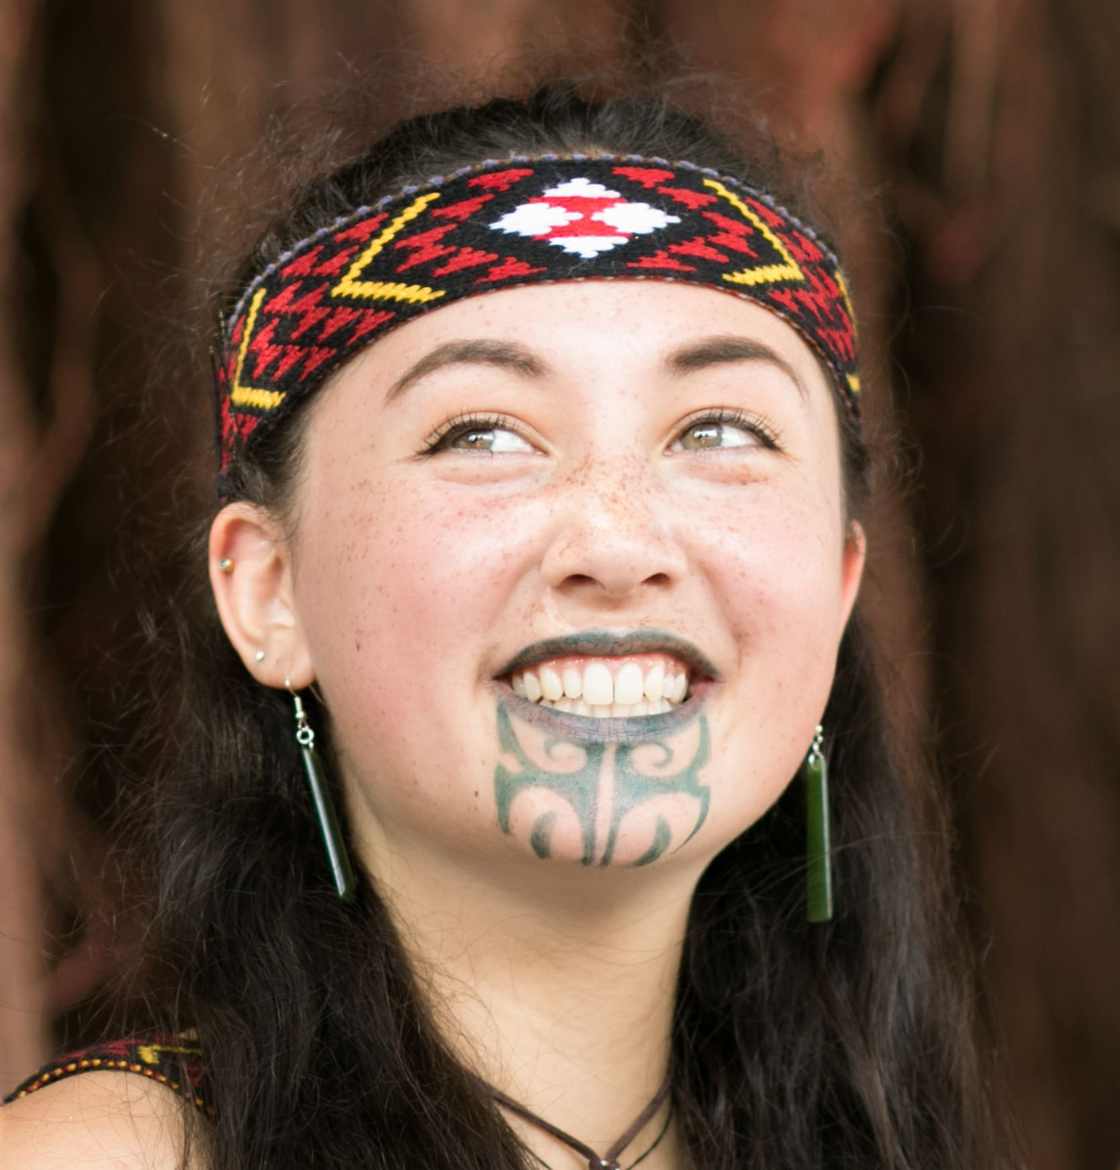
x=570 y=569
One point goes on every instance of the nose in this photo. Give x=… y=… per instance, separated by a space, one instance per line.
x=614 y=533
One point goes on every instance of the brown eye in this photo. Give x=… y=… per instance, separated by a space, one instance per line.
x=484 y=435
x=474 y=440
x=491 y=441
x=724 y=430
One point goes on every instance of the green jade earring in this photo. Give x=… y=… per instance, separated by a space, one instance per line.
x=338 y=858
x=818 y=847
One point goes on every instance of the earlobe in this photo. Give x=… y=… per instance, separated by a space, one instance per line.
x=251 y=577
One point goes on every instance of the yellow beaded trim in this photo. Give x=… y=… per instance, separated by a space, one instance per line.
x=96 y=1062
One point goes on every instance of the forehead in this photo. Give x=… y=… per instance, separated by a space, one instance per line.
x=577 y=325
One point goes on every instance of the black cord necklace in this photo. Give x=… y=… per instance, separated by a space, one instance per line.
x=608 y=1161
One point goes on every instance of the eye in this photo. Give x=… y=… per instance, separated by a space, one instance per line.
x=486 y=434
x=717 y=430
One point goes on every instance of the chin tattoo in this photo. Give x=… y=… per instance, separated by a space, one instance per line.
x=629 y=796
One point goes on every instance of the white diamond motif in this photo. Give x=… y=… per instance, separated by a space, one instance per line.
x=557 y=216
x=583 y=188
x=636 y=218
x=536 y=219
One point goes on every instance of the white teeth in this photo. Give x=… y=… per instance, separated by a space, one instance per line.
x=628 y=684
x=598 y=689
x=551 y=686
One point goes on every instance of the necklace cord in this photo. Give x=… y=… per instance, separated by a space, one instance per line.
x=594 y=1161
x=656 y=1141
x=642 y=1156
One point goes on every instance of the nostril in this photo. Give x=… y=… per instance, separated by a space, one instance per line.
x=612 y=585
x=615 y=558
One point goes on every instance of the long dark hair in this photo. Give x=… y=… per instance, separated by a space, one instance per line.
x=797 y=1046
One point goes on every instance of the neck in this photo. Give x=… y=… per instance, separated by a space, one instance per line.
x=554 y=984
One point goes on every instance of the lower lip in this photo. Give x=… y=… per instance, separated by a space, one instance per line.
x=609 y=728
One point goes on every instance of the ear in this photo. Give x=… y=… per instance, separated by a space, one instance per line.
x=254 y=595
x=853 y=560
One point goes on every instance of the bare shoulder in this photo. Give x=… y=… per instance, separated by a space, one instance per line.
x=97 y=1121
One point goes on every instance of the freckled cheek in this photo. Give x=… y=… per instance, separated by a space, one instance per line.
x=778 y=572
x=777 y=576
x=401 y=614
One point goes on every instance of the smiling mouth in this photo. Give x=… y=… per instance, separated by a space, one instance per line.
x=600 y=675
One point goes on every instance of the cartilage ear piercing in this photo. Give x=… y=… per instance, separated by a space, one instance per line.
x=226 y=565
x=818 y=846
x=325 y=816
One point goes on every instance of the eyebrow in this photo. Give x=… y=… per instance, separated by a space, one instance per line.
x=722 y=350
x=509 y=355
x=475 y=351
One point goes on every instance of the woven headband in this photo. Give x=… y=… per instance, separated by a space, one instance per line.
x=518 y=222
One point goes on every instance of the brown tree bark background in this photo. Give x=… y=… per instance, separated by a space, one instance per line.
x=982 y=138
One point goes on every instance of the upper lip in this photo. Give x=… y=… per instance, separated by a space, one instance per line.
x=611 y=644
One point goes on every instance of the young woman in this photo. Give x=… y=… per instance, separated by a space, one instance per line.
x=538 y=554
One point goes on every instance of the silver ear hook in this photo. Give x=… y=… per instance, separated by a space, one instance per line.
x=305 y=737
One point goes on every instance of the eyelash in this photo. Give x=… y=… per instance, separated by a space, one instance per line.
x=462 y=424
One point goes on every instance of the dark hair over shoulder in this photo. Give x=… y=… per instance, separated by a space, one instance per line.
x=795 y=1046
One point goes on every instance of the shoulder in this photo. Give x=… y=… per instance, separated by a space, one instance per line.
x=99 y=1121
x=119 y=1106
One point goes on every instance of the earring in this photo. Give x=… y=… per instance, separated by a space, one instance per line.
x=225 y=565
x=325 y=817
x=819 y=867
x=258 y=656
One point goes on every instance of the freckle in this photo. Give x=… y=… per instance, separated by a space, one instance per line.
x=357 y=643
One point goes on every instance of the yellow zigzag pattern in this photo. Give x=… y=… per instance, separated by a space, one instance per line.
x=249 y=395
x=387 y=290
x=765 y=273
x=349 y=286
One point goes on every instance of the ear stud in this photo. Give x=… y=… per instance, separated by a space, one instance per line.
x=259 y=656
x=225 y=565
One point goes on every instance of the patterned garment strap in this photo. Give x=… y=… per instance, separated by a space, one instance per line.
x=172 y=1061
x=518 y=222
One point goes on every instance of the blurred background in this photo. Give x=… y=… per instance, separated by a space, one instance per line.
x=976 y=145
